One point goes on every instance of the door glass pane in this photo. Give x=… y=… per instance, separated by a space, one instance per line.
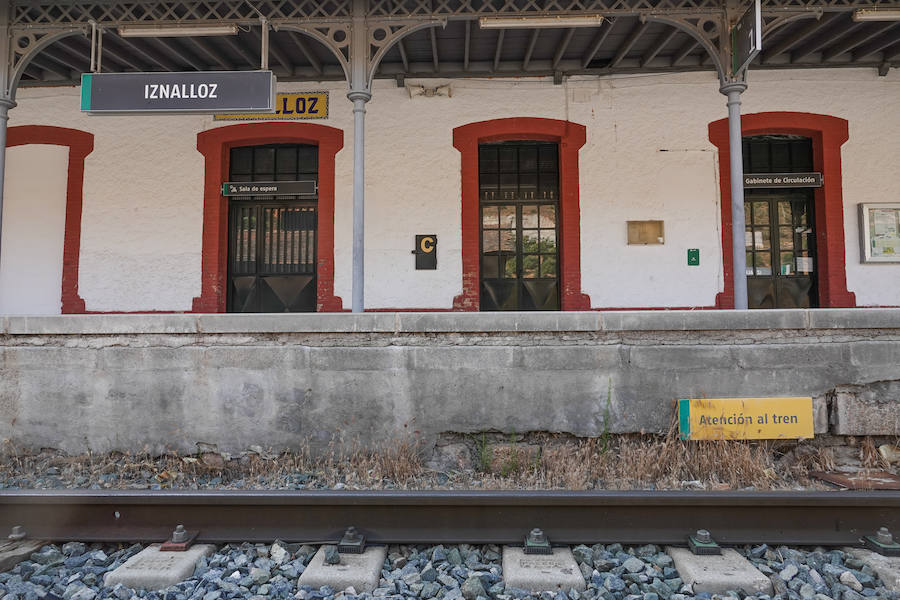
x=787 y=263
x=530 y=264
x=508 y=240
x=800 y=213
x=509 y=269
x=763 y=263
x=530 y=216
x=508 y=217
x=784 y=212
x=489 y=241
x=508 y=162
x=528 y=158
x=761 y=213
x=490 y=217
x=264 y=163
x=749 y=263
x=548 y=240
x=747 y=213
x=761 y=239
x=548 y=266
x=489 y=268
x=529 y=240
x=548 y=216
x=786 y=238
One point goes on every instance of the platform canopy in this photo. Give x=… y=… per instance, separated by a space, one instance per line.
x=310 y=40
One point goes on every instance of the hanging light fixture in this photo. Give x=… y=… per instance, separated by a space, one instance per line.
x=176 y=30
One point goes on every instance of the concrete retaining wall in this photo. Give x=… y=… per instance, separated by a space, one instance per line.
x=167 y=382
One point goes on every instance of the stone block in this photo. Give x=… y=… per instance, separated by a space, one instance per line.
x=886 y=567
x=297 y=322
x=455 y=358
x=153 y=569
x=359 y=571
x=541 y=573
x=497 y=321
x=718 y=574
x=101 y=324
x=357 y=359
x=854 y=318
x=681 y=357
x=873 y=409
x=565 y=358
x=703 y=320
x=820 y=414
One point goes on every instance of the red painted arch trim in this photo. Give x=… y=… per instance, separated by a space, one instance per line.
x=80 y=143
x=570 y=137
x=828 y=134
x=214 y=145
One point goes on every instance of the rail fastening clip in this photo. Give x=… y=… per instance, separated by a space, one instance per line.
x=702 y=544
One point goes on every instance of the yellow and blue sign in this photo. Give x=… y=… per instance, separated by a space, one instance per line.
x=288 y=107
x=745 y=418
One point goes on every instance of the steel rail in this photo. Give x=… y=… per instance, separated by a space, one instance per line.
x=634 y=517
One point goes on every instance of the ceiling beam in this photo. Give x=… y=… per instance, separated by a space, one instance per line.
x=850 y=42
x=876 y=45
x=210 y=52
x=170 y=46
x=563 y=45
x=602 y=34
x=892 y=52
x=529 y=51
x=124 y=56
x=818 y=42
x=65 y=61
x=684 y=51
x=304 y=48
x=467 y=45
x=809 y=29
x=629 y=42
x=149 y=55
x=274 y=50
x=661 y=42
x=47 y=68
x=499 y=50
x=401 y=48
x=434 y=49
x=253 y=61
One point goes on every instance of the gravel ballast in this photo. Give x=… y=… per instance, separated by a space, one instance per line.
x=75 y=571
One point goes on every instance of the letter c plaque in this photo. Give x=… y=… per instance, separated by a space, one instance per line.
x=426 y=252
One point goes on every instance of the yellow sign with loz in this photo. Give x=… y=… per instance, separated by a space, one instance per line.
x=300 y=105
x=745 y=418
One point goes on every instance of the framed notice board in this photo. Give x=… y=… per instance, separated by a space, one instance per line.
x=879 y=232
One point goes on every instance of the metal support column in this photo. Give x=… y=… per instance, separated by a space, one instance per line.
x=6 y=98
x=359 y=94
x=5 y=105
x=734 y=90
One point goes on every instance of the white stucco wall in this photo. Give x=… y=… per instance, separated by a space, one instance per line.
x=647 y=156
x=34 y=219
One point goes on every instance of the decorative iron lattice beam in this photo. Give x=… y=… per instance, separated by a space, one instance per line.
x=116 y=12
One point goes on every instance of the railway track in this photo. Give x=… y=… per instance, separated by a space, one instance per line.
x=499 y=517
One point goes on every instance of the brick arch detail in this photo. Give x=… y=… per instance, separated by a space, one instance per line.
x=828 y=134
x=80 y=144
x=214 y=145
x=570 y=137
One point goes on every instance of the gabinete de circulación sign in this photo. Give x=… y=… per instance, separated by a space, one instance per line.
x=204 y=92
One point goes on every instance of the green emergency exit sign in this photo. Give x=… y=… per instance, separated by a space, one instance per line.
x=693 y=257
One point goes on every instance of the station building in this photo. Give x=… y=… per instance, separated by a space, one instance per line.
x=551 y=168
